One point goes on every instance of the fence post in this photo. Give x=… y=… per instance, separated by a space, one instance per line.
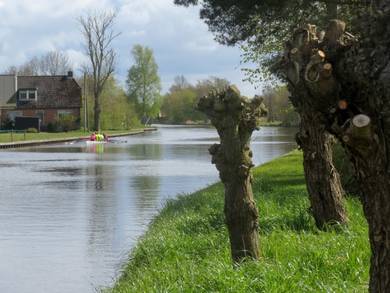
x=12 y=135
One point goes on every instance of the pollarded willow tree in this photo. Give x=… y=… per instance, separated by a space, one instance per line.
x=345 y=80
x=262 y=26
x=235 y=117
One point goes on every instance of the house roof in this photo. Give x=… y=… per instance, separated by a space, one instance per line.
x=7 y=90
x=53 y=91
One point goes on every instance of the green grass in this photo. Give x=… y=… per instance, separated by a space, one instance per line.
x=6 y=137
x=186 y=247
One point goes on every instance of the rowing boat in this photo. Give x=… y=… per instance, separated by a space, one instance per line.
x=92 y=142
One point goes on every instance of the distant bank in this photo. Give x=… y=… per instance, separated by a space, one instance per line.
x=76 y=136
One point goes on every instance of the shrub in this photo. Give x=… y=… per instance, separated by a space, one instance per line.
x=63 y=123
x=66 y=122
x=32 y=130
x=51 y=127
x=8 y=124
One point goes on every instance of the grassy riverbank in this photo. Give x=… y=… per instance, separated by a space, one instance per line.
x=8 y=137
x=186 y=248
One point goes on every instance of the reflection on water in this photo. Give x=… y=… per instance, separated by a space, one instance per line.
x=70 y=213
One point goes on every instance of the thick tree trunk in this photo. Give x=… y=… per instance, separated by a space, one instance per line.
x=322 y=179
x=241 y=218
x=349 y=86
x=376 y=205
x=97 y=110
x=235 y=118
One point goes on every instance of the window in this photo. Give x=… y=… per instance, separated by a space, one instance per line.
x=64 y=113
x=28 y=95
x=31 y=95
x=23 y=95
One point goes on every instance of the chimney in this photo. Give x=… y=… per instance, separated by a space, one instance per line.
x=70 y=74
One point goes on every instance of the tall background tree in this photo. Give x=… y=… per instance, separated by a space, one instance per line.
x=98 y=32
x=55 y=63
x=279 y=106
x=118 y=113
x=143 y=82
x=262 y=26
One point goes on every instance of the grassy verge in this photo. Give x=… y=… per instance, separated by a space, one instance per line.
x=6 y=137
x=186 y=248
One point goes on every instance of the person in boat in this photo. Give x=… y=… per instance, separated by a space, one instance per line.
x=93 y=137
x=99 y=137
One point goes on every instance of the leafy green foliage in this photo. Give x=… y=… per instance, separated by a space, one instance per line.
x=261 y=27
x=268 y=21
x=63 y=123
x=186 y=248
x=32 y=130
x=143 y=81
x=279 y=106
x=179 y=105
x=118 y=113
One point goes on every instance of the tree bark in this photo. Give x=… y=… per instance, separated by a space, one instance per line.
x=376 y=190
x=235 y=118
x=97 y=110
x=353 y=96
x=322 y=179
x=241 y=216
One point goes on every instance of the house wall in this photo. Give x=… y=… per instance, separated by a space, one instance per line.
x=49 y=115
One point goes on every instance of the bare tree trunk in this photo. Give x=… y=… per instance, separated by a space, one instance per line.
x=97 y=110
x=98 y=35
x=235 y=119
x=322 y=179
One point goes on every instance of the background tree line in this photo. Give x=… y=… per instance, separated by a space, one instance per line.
x=179 y=104
x=51 y=63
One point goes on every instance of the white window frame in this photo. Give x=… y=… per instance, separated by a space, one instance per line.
x=27 y=92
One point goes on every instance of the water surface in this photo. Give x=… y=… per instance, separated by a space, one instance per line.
x=70 y=213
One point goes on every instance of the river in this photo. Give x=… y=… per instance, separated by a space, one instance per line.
x=70 y=213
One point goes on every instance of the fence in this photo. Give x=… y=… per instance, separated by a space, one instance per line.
x=14 y=132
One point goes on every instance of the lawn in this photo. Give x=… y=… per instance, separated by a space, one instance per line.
x=186 y=247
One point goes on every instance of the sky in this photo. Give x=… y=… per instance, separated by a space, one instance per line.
x=181 y=42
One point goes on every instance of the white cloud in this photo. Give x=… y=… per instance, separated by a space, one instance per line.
x=180 y=40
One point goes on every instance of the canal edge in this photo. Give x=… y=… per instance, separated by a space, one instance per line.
x=21 y=144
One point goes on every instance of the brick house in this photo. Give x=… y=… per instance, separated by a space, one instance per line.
x=45 y=97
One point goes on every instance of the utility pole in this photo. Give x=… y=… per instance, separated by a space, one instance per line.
x=85 y=103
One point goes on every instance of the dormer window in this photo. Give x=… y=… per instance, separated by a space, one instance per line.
x=28 y=95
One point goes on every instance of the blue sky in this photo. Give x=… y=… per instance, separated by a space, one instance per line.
x=181 y=41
